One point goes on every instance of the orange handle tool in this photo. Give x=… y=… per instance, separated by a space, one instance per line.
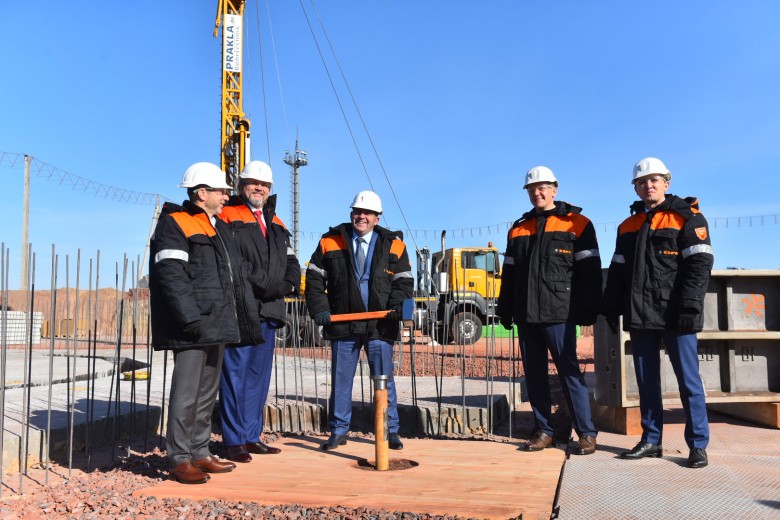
x=357 y=316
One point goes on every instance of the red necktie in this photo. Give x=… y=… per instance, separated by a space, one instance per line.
x=259 y=216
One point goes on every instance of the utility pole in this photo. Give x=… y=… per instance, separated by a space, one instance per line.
x=296 y=160
x=25 y=223
x=155 y=218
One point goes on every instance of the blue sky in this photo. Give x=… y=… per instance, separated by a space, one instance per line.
x=460 y=98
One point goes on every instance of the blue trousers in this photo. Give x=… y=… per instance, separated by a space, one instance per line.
x=561 y=340
x=243 y=389
x=345 y=354
x=684 y=356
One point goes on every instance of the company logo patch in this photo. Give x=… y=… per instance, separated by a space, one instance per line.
x=701 y=232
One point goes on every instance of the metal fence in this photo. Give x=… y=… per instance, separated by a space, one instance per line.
x=79 y=371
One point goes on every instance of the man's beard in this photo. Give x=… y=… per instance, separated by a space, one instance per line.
x=255 y=203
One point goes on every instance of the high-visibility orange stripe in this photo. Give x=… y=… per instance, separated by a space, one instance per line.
x=397 y=248
x=197 y=224
x=667 y=219
x=278 y=221
x=238 y=213
x=632 y=224
x=661 y=220
x=524 y=229
x=333 y=243
x=572 y=223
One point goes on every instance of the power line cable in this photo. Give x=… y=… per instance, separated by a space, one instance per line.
x=335 y=92
x=362 y=121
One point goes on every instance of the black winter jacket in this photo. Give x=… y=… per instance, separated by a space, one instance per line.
x=331 y=283
x=198 y=283
x=661 y=267
x=552 y=269
x=273 y=269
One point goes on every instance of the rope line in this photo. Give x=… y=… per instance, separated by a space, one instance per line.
x=42 y=169
x=78 y=183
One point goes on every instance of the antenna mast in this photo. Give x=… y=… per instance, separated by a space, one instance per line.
x=295 y=161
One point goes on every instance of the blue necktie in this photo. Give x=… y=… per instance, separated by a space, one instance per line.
x=360 y=255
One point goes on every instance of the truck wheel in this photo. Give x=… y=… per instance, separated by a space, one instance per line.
x=284 y=335
x=466 y=328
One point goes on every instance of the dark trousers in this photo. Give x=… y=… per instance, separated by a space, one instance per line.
x=684 y=356
x=344 y=355
x=194 y=386
x=243 y=389
x=561 y=340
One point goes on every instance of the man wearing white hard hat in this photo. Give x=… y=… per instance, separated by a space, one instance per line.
x=550 y=283
x=359 y=266
x=199 y=303
x=274 y=273
x=657 y=281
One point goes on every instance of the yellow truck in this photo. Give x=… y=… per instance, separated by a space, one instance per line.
x=456 y=293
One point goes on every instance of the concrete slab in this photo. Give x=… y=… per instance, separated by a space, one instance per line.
x=466 y=478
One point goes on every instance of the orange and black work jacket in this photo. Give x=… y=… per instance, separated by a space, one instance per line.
x=198 y=284
x=552 y=269
x=661 y=267
x=331 y=282
x=273 y=269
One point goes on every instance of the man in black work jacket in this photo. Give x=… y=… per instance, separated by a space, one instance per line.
x=657 y=281
x=246 y=371
x=357 y=267
x=200 y=300
x=551 y=281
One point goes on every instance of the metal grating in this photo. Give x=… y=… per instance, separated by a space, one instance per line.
x=742 y=480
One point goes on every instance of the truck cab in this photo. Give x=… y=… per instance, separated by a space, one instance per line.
x=457 y=289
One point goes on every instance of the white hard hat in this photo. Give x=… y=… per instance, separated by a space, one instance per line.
x=650 y=166
x=539 y=174
x=367 y=200
x=204 y=173
x=257 y=170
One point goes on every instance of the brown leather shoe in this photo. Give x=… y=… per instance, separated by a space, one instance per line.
x=212 y=464
x=586 y=446
x=261 y=448
x=187 y=473
x=238 y=453
x=538 y=442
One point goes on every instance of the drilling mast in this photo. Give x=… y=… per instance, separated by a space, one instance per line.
x=234 y=138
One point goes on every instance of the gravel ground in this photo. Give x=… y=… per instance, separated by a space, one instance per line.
x=107 y=491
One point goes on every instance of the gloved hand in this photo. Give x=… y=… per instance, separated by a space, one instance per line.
x=506 y=322
x=322 y=318
x=278 y=290
x=395 y=314
x=686 y=322
x=613 y=321
x=192 y=330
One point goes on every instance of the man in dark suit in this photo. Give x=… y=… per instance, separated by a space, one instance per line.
x=359 y=266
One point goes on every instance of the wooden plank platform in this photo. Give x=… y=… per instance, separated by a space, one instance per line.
x=479 y=479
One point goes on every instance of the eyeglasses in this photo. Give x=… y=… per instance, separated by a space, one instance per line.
x=540 y=189
x=223 y=191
